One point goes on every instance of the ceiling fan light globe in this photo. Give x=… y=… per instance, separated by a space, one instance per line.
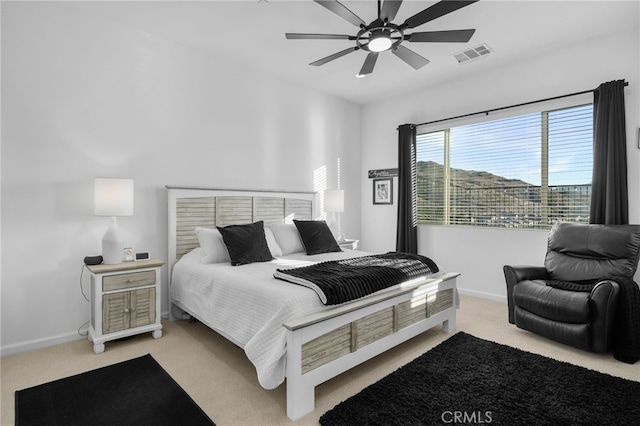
x=379 y=43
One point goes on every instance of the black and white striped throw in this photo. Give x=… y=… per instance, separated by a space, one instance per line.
x=340 y=281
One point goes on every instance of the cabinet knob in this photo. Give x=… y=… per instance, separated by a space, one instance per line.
x=126 y=310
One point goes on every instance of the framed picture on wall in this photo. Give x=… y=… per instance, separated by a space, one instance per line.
x=383 y=191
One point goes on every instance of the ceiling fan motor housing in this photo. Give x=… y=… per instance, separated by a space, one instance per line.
x=390 y=31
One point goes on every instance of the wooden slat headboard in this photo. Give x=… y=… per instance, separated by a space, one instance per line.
x=205 y=207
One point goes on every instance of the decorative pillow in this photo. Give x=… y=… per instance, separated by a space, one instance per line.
x=287 y=237
x=274 y=248
x=246 y=243
x=212 y=246
x=316 y=236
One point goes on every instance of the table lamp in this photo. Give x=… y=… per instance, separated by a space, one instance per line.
x=112 y=197
x=334 y=204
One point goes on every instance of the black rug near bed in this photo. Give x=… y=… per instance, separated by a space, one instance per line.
x=135 y=392
x=467 y=380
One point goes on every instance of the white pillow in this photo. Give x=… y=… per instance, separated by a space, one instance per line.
x=274 y=248
x=287 y=237
x=212 y=246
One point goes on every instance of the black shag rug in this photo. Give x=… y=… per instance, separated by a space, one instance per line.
x=467 y=380
x=135 y=392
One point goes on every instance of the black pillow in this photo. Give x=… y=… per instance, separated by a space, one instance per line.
x=316 y=236
x=246 y=243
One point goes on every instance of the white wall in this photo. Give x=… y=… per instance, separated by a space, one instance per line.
x=479 y=254
x=83 y=98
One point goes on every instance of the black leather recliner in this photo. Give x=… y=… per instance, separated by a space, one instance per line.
x=573 y=298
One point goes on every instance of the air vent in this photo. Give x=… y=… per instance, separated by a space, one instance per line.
x=472 y=54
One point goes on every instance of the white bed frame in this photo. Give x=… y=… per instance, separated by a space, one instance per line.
x=322 y=345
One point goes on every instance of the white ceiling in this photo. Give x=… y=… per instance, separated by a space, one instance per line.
x=251 y=32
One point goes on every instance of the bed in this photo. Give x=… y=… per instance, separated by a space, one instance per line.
x=285 y=329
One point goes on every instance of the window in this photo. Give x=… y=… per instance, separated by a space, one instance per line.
x=527 y=171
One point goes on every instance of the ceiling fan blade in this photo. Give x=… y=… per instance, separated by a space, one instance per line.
x=299 y=36
x=369 y=63
x=451 y=36
x=342 y=11
x=389 y=10
x=410 y=57
x=334 y=56
x=437 y=10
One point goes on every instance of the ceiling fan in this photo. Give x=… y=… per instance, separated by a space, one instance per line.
x=382 y=35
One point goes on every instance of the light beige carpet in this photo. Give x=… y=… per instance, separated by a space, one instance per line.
x=222 y=381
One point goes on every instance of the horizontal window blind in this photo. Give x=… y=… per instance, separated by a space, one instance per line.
x=527 y=171
x=430 y=174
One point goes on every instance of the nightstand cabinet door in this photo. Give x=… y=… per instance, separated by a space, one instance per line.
x=143 y=307
x=115 y=312
x=128 y=309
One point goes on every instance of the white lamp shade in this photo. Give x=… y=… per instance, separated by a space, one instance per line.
x=334 y=200
x=113 y=197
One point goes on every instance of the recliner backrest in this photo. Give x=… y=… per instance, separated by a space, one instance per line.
x=578 y=252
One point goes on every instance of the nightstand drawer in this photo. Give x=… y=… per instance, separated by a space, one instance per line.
x=348 y=244
x=130 y=280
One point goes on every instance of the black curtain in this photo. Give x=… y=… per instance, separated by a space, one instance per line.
x=407 y=232
x=609 y=195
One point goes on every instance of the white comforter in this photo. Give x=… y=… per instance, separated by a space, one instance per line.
x=248 y=306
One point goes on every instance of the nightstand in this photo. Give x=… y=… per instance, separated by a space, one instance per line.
x=348 y=244
x=125 y=300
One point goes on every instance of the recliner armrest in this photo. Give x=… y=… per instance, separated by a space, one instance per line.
x=517 y=273
x=513 y=274
x=604 y=301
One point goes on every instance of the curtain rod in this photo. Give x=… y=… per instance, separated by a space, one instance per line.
x=626 y=83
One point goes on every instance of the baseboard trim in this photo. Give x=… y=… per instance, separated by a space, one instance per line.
x=484 y=295
x=47 y=341
x=40 y=343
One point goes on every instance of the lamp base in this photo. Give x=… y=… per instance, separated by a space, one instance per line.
x=334 y=226
x=112 y=244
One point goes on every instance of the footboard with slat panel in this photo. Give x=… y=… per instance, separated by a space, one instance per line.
x=322 y=345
